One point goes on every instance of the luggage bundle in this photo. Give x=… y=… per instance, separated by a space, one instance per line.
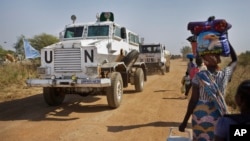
x=211 y=36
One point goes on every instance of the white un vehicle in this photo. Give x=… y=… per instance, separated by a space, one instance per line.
x=156 y=57
x=91 y=58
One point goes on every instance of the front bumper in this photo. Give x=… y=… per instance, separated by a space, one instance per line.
x=104 y=82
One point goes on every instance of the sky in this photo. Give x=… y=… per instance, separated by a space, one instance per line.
x=157 y=21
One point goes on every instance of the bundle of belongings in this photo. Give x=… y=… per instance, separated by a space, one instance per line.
x=211 y=36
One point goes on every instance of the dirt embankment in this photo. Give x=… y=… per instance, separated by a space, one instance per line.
x=145 y=116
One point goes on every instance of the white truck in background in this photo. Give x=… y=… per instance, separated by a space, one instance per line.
x=91 y=58
x=156 y=57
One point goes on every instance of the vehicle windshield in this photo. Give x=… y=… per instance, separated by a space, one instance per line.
x=101 y=30
x=73 y=32
x=150 y=49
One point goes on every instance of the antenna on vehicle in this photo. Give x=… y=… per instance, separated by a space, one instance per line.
x=73 y=18
x=97 y=17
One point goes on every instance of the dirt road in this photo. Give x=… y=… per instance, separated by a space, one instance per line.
x=144 y=116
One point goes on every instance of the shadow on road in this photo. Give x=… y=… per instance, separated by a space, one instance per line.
x=178 y=98
x=162 y=90
x=154 y=124
x=34 y=108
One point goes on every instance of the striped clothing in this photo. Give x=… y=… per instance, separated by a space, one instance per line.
x=221 y=78
x=209 y=106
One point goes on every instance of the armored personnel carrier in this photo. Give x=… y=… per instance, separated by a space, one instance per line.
x=91 y=58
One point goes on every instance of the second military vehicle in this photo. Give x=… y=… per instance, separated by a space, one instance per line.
x=156 y=57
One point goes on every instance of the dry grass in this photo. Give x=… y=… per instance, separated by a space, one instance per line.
x=15 y=92
x=12 y=80
x=240 y=74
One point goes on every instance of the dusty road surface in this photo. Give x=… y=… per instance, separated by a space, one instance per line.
x=145 y=116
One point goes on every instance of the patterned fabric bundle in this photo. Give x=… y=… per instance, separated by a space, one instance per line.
x=211 y=36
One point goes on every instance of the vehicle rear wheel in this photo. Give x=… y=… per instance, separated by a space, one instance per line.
x=139 y=80
x=53 y=96
x=130 y=58
x=115 y=91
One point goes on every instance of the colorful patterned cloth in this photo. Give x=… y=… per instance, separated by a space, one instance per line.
x=211 y=104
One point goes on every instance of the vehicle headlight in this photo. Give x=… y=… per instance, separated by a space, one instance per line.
x=74 y=77
x=92 y=71
x=53 y=77
x=161 y=64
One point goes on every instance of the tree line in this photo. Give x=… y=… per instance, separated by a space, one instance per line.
x=37 y=42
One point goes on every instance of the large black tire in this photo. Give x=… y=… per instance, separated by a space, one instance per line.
x=115 y=91
x=53 y=96
x=139 y=80
x=130 y=58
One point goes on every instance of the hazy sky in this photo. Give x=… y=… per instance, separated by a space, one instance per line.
x=157 y=21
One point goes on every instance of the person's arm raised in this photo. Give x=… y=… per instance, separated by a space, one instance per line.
x=234 y=57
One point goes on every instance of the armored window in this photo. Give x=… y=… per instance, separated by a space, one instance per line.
x=117 y=31
x=143 y=49
x=133 y=38
x=73 y=32
x=157 y=49
x=102 y=30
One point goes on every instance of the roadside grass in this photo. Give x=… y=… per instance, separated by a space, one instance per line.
x=12 y=79
x=241 y=73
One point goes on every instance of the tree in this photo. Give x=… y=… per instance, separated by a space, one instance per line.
x=37 y=42
x=19 y=45
x=3 y=52
x=43 y=40
x=185 y=50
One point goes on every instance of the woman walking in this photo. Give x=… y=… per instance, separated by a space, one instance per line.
x=207 y=102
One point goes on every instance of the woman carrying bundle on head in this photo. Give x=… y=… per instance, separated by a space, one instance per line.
x=207 y=102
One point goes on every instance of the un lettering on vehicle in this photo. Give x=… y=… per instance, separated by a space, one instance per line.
x=88 y=56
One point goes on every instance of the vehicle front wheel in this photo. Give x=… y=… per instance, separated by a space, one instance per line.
x=53 y=96
x=115 y=91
